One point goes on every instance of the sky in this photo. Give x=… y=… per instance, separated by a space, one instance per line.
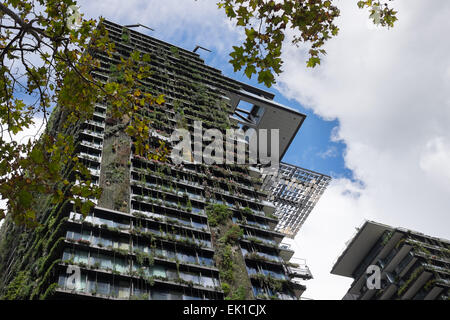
x=378 y=115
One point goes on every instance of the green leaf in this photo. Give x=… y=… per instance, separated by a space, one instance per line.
x=25 y=198
x=37 y=155
x=266 y=77
x=250 y=70
x=312 y=62
x=160 y=99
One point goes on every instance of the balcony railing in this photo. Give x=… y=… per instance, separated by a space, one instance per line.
x=91 y=144
x=89 y=157
x=298 y=269
x=92 y=133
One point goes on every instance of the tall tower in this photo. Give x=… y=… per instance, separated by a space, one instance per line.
x=390 y=263
x=160 y=230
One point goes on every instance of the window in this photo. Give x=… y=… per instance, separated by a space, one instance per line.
x=257 y=290
x=67 y=254
x=198 y=225
x=251 y=270
x=159 y=252
x=159 y=271
x=86 y=235
x=171 y=274
x=186 y=258
x=124 y=224
x=123 y=243
x=174 y=295
x=76 y=216
x=103 y=287
x=81 y=285
x=276 y=275
x=170 y=254
x=105 y=241
x=121 y=265
x=89 y=218
x=81 y=257
x=105 y=261
x=285 y=296
x=91 y=284
x=208 y=281
x=139 y=292
x=124 y=290
x=197 y=210
x=206 y=261
x=160 y=295
x=102 y=221
x=190 y=276
x=186 y=222
x=206 y=243
x=72 y=235
x=140 y=247
x=62 y=281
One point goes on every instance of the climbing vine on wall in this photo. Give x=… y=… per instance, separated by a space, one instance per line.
x=228 y=257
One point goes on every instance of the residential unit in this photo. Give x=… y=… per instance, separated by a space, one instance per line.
x=161 y=230
x=294 y=192
x=411 y=265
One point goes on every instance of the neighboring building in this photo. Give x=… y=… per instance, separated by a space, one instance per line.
x=294 y=192
x=153 y=233
x=413 y=266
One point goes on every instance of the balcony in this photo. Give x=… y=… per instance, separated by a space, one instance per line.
x=99 y=114
x=194 y=239
x=285 y=252
x=254 y=172
x=92 y=133
x=297 y=287
x=269 y=208
x=97 y=146
x=299 y=270
x=90 y=157
x=96 y=123
x=89 y=271
x=94 y=172
x=189 y=225
x=370 y=256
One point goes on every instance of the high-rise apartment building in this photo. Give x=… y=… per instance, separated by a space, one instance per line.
x=160 y=230
x=411 y=265
x=294 y=191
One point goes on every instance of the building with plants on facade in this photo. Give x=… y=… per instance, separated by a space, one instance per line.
x=412 y=265
x=160 y=230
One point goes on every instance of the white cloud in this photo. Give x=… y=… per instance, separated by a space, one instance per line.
x=322 y=237
x=330 y=152
x=435 y=161
x=389 y=89
x=182 y=21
